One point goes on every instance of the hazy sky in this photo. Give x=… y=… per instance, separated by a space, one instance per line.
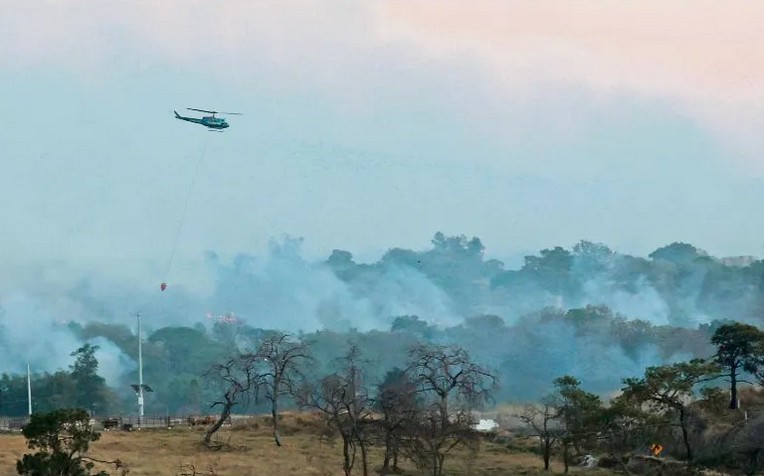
x=369 y=126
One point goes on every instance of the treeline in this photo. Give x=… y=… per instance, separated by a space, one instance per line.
x=78 y=387
x=590 y=343
x=677 y=284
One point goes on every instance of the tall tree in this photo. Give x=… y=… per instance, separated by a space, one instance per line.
x=396 y=401
x=577 y=413
x=238 y=380
x=346 y=406
x=626 y=425
x=13 y=394
x=740 y=348
x=541 y=420
x=91 y=388
x=668 y=388
x=450 y=386
x=281 y=357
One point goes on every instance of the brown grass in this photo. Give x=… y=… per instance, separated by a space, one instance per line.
x=252 y=451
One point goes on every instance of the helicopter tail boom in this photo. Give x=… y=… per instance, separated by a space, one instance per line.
x=189 y=119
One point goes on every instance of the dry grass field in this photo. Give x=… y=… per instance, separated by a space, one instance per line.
x=251 y=451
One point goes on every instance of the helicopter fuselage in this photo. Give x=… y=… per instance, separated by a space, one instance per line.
x=210 y=121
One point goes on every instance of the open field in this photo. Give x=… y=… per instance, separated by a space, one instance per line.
x=166 y=452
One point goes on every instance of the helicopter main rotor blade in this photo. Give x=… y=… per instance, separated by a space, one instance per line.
x=201 y=110
x=215 y=112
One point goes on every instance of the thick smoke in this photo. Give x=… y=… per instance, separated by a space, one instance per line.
x=280 y=291
x=539 y=352
x=113 y=364
x=284 y=291
x=643 y=301
x=442 y=286
x=31 y=332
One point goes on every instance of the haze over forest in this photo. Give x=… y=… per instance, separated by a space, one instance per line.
x=585 y=310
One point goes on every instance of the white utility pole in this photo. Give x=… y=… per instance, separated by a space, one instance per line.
x=29 y=389
x=140 y=375
x=140 y=387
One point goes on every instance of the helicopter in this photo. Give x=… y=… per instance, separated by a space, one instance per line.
x=212 y=122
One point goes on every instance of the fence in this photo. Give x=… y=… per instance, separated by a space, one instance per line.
x=12 y=424
x=130 y=422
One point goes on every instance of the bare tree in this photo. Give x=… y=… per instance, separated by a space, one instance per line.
x=343 y=401
x=396 y=401
x=238 y=380
x=281 y=357
x=541 y=420
x=450 y=386
x=429 y=441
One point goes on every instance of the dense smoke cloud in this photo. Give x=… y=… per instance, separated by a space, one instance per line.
x=113 y=364
x=286 y=292
x=34 y=332
x=31 y=332
x=645 y=303
x=526 y=333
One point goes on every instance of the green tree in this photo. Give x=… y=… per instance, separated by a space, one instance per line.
x=186 y=350
x=62 y=438
x=56 y=390
x=740 y=348
x=626 y=425
x=552 y=270
x=13 y=397
x=668 y=388
x=415 y=326
x=90 y=388
x=678 y=253
x=578 y=414
x=592 y=257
